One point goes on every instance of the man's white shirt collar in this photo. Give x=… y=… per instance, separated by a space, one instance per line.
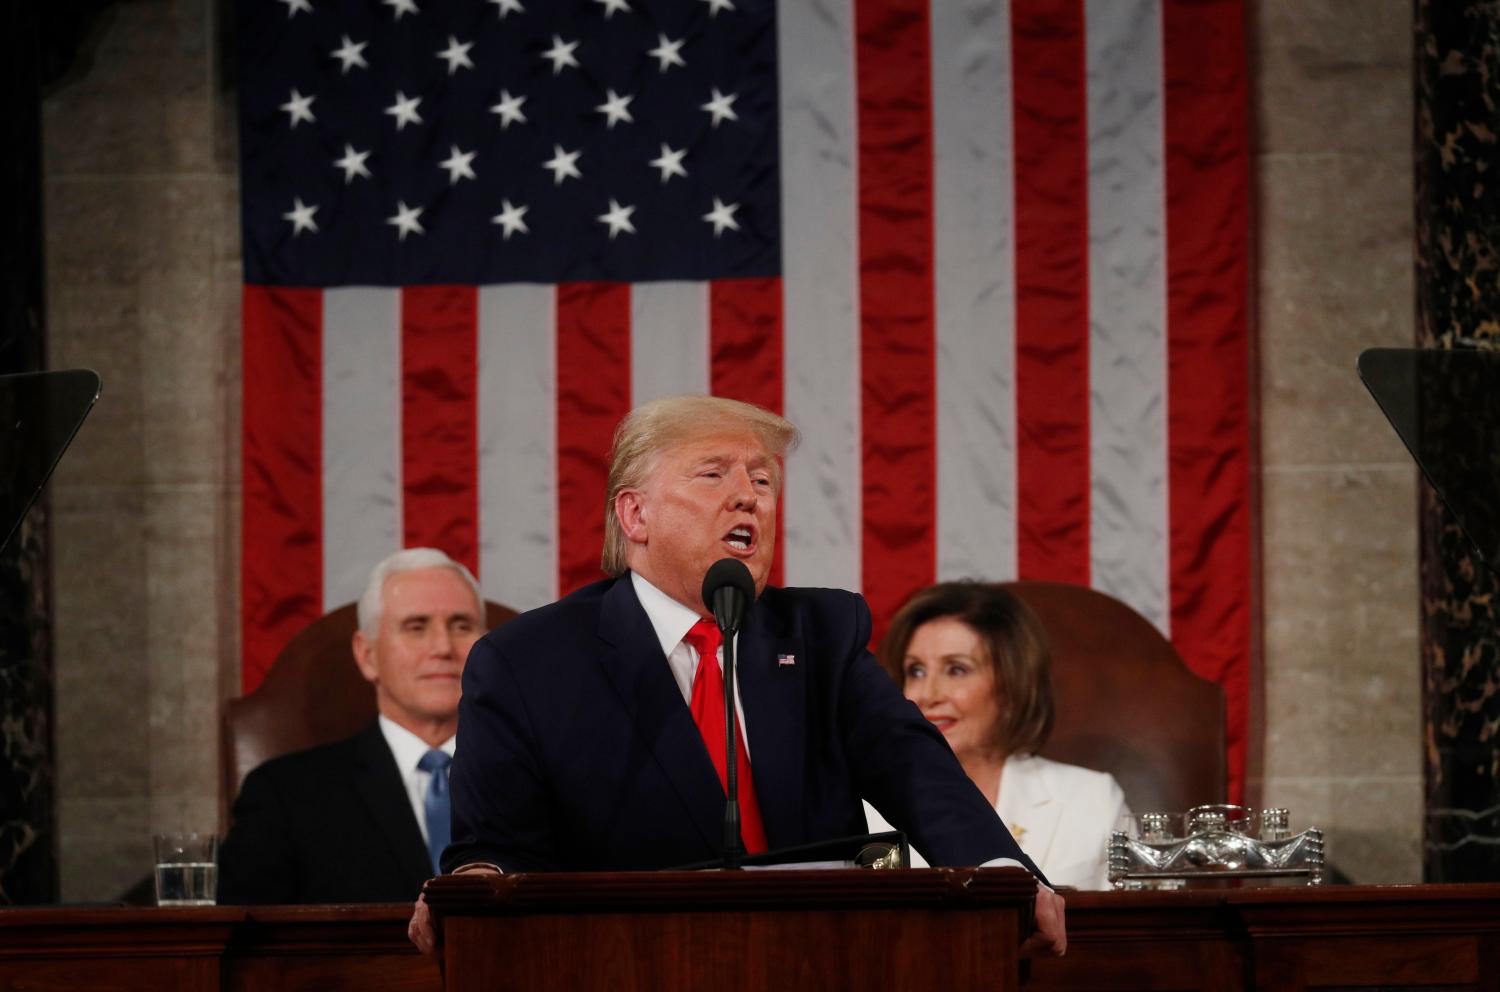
x=407 y=747
x=669 y=618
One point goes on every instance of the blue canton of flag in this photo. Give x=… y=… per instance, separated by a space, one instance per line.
x=405 y=142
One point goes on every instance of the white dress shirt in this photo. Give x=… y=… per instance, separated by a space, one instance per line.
x=408 y=749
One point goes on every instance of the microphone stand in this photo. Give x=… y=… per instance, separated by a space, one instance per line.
x=729 y=590
x=733 y=849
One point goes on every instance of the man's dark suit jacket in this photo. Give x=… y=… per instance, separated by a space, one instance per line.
x=577 y=752
x=329 y=824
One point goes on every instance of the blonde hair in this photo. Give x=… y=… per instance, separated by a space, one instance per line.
x=663 y=424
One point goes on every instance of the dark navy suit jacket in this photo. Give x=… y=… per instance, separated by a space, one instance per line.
x=576 y=751
x=329 y=824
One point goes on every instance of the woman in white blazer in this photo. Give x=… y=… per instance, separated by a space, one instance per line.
x=975 y=660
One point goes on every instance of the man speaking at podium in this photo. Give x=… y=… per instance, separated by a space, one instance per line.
x=585 y=735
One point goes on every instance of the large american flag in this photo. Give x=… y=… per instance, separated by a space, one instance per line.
x=991 y=256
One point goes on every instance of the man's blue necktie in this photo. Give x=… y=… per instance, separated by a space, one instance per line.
x=435 y=805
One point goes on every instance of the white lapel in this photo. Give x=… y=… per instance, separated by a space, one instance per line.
x=1027 y=807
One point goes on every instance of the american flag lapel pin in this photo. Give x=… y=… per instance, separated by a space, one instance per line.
x=786 y=660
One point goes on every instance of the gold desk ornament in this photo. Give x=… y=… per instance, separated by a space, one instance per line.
x=879 y=855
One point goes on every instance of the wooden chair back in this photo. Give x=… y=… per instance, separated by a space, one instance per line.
x=1126 y=703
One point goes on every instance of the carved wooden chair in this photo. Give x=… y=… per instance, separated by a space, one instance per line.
x=1126 y=702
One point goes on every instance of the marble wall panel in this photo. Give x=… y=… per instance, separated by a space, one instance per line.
x=107 y=845
x=1332 y=76
x=143 y=280
x=182 y=639
x=1341 y=662
x=103 y=683
x=1336 y=278
x=137 y=102
x=1458 y=239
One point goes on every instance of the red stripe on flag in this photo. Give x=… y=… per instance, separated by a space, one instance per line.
x=439 y=436
x=897 y=373
x=593 y=393
x=1052 y=314
x=281 y=568
x=1208 y=350
x=745 y=351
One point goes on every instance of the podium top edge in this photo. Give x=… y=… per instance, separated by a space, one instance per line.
x=675 y=891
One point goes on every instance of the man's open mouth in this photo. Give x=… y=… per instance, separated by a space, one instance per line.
x=741 y=538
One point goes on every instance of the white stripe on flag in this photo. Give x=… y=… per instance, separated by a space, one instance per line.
x=974 y=281
x=1127 y=304
x=668 y=340
x=819 y=265
x=518 y=444
x=361 y=437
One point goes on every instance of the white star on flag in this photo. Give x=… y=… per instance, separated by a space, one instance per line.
x=353 y=164
x=563 y=164
x=350 y=54
x=616 y=108
x=509 y=218
x=457 y=164
x=669 y=162
x=721 y=107
x=508 y=7
x=509 y=109
x=406 y=219
x=405 y=110
x=610 y=6
x=301 y=216
x=722 y=216
x=293 y=7
x=456 y=55
x=667 y=52
x=561 y=54
x=299 y=108
x=618 y=218
x=714 y=6
x=399 y=7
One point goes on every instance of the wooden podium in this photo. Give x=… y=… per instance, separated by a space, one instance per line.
x=752 y=930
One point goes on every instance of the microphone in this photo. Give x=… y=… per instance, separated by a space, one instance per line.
x=727 y=590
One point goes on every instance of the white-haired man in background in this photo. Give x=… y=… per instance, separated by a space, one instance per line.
x=364 y=819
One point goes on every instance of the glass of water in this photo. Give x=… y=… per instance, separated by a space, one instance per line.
x=187 y=869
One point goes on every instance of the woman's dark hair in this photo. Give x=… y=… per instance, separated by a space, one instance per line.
x=1014 y=641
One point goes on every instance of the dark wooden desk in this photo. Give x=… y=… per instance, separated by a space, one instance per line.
x=1333 y=937
x=246 y=949
x=1349 y=937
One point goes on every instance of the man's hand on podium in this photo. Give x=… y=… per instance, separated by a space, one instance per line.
x=420 y=930
x=1051 y=936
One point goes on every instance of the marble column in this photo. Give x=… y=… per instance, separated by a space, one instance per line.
x=1457 y=157
x=28 y=849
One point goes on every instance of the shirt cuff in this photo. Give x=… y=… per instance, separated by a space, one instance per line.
x=1013 y=863
x=475 y=865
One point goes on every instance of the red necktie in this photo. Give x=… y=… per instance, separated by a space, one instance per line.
x=708 y=714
